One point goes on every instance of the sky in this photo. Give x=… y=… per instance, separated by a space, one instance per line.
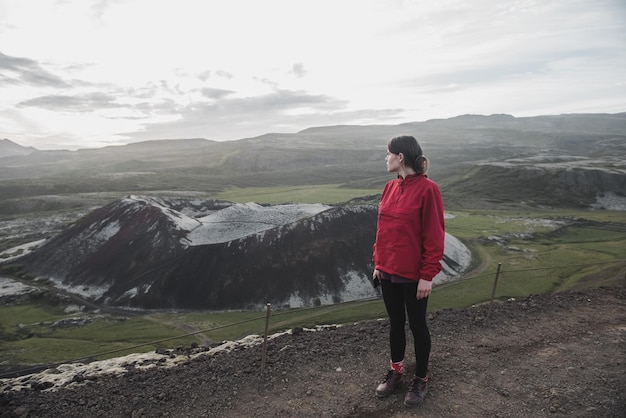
x=92 y=73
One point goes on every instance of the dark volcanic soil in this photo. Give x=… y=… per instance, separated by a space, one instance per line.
x=553 y=355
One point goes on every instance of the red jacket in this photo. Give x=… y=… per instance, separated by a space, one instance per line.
x=410 y=233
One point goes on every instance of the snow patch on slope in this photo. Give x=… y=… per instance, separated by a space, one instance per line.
x=9 y=287
x=87 y=291
x=356 y=287
x=610 y=201
x=20 y=250
x=455 y=250
x=243 y=219
x=178 y=219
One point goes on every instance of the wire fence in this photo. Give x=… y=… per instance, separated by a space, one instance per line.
x=507 y=283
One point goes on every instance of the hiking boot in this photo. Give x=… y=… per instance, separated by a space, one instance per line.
x=389 y=384
x=417 y=392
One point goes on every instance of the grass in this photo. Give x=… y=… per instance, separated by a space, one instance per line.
x=581 y=255
x=29 y=342
x=233 y=324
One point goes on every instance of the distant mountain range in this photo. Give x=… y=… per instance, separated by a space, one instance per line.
x=9 y=148
x=479 y=161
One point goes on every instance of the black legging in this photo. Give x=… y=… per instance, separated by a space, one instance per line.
x=397 y=297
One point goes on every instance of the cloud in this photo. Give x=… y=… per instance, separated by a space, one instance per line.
x=100 y=7
x=213 y=93
x=78 y=103
x=16 y=70
x=203 y=118
x=236 y=117
x=298 y=70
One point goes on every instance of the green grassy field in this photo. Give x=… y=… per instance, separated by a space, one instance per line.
x=534 y=259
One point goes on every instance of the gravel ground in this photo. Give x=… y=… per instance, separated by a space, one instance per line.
x=549 y=355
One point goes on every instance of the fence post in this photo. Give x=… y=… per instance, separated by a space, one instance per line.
x=267 y=323
x=495 y=284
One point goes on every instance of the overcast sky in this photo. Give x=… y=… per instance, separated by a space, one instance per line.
x=89 y=73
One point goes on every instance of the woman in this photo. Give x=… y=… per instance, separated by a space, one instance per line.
x=407 y=256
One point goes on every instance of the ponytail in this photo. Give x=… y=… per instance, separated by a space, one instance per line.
x=421 y=165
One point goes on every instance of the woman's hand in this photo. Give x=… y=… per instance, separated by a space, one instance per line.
x=423 y=289
x=376 y=278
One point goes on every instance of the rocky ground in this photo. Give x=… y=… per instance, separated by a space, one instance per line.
x=553 y=355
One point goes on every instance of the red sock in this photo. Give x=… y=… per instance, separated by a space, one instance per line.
x=397 y=367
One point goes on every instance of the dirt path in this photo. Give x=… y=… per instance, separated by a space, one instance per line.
x=545 y=356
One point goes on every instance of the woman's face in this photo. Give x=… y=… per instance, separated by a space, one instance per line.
x=393 y=161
